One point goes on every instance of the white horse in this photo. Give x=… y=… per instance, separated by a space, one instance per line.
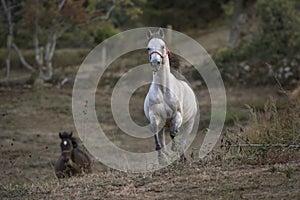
x=170 y=102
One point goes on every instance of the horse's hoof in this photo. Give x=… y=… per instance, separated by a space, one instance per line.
x=175 y=147
x=173 y=132
x=163 y=160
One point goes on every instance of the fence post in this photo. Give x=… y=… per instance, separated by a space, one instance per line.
x=169 y=34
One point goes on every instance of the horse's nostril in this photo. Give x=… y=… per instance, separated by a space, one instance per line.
x=155 y=63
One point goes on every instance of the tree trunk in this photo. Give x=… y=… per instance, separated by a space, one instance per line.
x=10 y=41
x=235 y=27
x=44 y=55
x=7 y=11
x=8 y=51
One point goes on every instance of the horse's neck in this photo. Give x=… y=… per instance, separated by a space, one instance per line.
x=162 y=76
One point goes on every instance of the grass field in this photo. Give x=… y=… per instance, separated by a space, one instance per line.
x=31 y=118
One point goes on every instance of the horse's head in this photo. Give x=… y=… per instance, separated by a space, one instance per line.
x=157 y=49
x=67 y=142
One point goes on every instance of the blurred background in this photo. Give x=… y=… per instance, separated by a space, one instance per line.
x=246 y=38
x=254 y=43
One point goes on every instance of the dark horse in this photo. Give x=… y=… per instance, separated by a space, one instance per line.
x=72 y=160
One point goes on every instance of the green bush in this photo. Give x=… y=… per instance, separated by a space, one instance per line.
x=279 y=30
x=272 y=51
x=103 y=32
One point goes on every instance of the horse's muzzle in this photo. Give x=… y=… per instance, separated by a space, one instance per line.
x=155 y=67
x=155 y=64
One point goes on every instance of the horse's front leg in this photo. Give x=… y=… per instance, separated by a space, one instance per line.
x=157 y=130
x=176 y=123
x=161 y=136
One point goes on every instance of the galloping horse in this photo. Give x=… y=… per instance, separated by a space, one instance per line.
x=72 y=160
x=170 y=102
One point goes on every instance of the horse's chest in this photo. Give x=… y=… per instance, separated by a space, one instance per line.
x=168 y=106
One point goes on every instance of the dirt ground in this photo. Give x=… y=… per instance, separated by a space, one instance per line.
x=29 y=145
x=31 y=118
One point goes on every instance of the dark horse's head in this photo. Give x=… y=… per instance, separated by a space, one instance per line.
x=72 y=160
x=67 y=142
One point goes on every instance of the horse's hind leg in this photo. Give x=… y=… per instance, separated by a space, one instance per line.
x=186 y=131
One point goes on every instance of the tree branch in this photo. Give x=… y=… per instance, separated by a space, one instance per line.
x=62 y=31
x=22 y=60
x=4 y=6
x=61 y=4
x=53 y=45
x=105 y=17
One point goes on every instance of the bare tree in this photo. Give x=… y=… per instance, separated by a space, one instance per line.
x=63 y=22
x=7 y=8
x=49 y=21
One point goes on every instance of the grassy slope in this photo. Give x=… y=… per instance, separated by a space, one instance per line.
x=30 y=146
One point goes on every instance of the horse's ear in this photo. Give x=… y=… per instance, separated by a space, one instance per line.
x=60 y=136
x=161 y=33
x=74 y=143
x=149 y=34
x=71 y=133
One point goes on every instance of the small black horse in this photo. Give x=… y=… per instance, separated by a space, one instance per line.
x=72 y=160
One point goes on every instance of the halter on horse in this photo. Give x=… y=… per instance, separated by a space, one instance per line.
x=170 y=102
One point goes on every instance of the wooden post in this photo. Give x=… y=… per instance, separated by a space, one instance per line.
x=169 y=34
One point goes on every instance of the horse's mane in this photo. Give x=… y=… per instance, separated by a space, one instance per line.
x=175 y=67
x=74 y=142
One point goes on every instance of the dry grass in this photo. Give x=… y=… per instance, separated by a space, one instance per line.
x=30 y=145
x=190 y=181
x=271 y=134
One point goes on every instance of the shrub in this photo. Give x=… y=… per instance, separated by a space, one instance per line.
x=274 y=126
x=277 y=43
x=103 y=32
x=270 y=136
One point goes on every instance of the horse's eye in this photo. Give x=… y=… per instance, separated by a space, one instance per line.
x=162 y=47
x=148 y=49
